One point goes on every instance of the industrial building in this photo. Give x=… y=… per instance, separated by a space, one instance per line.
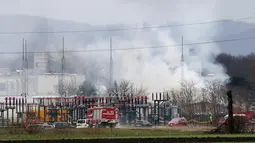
x=37 y=84
x=36 y=81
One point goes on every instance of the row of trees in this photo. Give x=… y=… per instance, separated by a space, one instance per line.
x=213 y=99
x=68 y=89
x=88 y=88
x=239 y=68
x=191 y=98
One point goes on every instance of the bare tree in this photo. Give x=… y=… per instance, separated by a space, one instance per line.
x=141 y=91
x=187 y=96
x=70 y=89
x=65 y=88
x=184 y=98
x=215 y=95
x=175 y=98
x=242 y=98
x=126 y=87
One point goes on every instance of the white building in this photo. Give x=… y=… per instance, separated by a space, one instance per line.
x=47 y=84
x=38 y=84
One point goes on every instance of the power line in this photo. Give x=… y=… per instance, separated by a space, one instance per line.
x=140 y=48
x=124 y=29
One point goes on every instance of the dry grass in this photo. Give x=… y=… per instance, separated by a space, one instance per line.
x=94 y=133
x=12 y=130
x=192 y=128
x=179 y=128
x=20 y=134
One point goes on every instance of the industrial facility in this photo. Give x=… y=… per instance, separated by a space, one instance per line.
x=36 y=82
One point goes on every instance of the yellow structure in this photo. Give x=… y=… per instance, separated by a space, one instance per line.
x=47 y=117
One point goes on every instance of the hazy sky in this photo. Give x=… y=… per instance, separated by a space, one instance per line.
x=140 y=66
x=131 y=11
x=138 y=12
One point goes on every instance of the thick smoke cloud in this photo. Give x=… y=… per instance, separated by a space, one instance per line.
x=156 y=68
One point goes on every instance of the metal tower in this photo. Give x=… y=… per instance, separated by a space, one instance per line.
x=182 y=64
x=62 y=92
x=111 y=66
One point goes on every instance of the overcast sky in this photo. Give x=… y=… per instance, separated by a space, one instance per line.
x=131 y=11
x=142 y=66
x=134 y=13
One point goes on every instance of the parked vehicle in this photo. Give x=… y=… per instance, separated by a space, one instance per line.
x=248 y=116
x=47 y=126
x=178 y=122
x=32 y=122
x=103 y=117
x=62 y=125
x=82 y=123
x=35 y=128
x=162 y=121
x=142 y=123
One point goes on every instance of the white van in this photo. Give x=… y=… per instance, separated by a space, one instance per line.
x=82 y=123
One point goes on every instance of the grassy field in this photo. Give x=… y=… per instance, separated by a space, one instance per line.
x=21 y=134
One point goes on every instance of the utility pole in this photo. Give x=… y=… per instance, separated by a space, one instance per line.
x=230 y=112
x=182 y=64
x=26 y=72
x=23 y=68
x=62 y=92
x=201 y=68
x=111 y=66
x=62 y=70
x=182 y=72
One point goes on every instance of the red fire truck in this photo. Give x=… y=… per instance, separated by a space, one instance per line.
x=103 y=117
x=247 y=115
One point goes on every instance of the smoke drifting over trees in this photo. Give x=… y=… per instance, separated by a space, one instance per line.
x=156 y=68
x=212 y=98
x=126 y=87
x=145 y=60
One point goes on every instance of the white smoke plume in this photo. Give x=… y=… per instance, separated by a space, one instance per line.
x=160 y=68
x=156 y=68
